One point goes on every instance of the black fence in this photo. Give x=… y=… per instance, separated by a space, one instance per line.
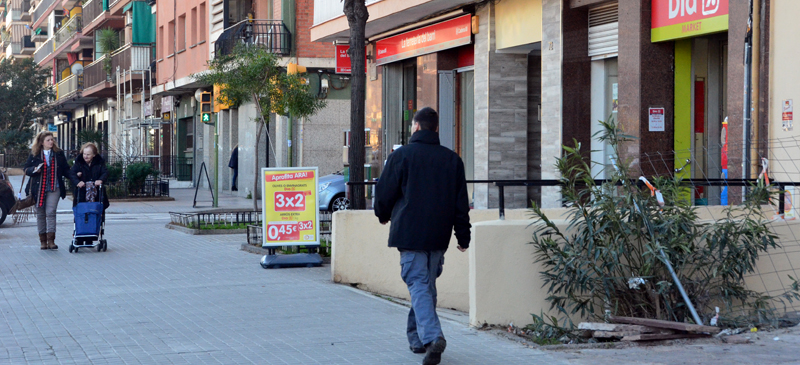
x=502 y=184
x=14 y=159
x=177 y=167
x=270 y=34
x=150 y=188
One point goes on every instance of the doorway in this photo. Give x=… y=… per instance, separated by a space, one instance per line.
x=399 y=103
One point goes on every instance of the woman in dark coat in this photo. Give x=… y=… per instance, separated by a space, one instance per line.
x=47 y=166
x=89 y=168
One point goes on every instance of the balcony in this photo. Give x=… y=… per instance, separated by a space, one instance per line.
x=68 y=87
x=94 y=17
x=68 y=31
x=28 y=47
x=271 y=34
x=43 y=8
x=43 y=51
x=25 y=16
x=131 y=57
x=39 y=35
x=5 y=39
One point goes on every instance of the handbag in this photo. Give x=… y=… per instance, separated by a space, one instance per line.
x=25 y=202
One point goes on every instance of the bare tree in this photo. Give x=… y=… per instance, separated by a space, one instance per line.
x=357 y=15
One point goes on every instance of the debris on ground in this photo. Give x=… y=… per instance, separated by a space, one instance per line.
x=643 y=329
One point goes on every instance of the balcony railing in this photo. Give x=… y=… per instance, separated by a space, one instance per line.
x=131 y=57
x=26 y=8
x=94 y=73
x=69 y=86
x=73 y=26
x=271 y=34
x=92 y=9
x=43 y=51
x=41 y=8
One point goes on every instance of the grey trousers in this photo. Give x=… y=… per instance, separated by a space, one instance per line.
x=46 y=214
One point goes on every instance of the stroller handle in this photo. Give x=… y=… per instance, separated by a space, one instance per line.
x=99 y=193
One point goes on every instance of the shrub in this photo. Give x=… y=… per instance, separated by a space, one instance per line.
x=114 y=172
x=613 y=255
x=137 y=173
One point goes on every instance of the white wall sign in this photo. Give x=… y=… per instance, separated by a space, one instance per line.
x=656 y=119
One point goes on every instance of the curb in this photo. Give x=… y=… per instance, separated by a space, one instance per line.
x=263 y=251
x=203 y=232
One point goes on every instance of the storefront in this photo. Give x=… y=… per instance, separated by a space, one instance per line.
x=699 y=30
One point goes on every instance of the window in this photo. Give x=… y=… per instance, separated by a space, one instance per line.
x=194 y=26
x=162 y=42
x=182 y=32
x=171 y=38
x=201 y=29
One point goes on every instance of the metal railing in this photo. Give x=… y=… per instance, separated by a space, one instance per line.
x=72 y=27
x=133 y=57
x=43 y=51
x=14 y=159
x=271 y=34
x=255 y=235
x=40 y=11
x=151 y=187
x=94 y=73
x=69 y=86
x=209 y=220
x=176 y=167
x=92 y=9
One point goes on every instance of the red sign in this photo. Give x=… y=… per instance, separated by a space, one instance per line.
x=290 y=176
x=433 y=38
x=343 y=64
x=287 y=231
x=290 y=201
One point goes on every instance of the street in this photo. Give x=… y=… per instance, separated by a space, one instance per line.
x=158 y=296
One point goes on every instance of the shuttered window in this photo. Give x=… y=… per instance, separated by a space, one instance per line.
x=604 y=31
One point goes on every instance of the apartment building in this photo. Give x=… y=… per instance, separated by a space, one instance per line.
x=189 y=33
x=15 y=36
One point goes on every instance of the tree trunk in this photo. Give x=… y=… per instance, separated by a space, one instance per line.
x=357 y=15
x=257 y=174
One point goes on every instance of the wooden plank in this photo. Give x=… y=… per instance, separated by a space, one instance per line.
x=616 y=327
x=658 y=336
x=619 y=334
x=665 y=324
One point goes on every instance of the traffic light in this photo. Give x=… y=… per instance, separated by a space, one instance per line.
x=294 y=69
x=206 y=107
x=220 y=103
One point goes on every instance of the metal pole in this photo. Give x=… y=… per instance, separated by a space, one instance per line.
x=216 y=160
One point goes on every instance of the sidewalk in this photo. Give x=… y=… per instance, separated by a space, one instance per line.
x=182 y=203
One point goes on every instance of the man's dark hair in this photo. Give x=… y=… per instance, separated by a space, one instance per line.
x=427 y=118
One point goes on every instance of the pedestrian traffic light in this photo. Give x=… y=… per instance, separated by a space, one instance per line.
x=294 y=69
x=220 y=103
x=206 y=107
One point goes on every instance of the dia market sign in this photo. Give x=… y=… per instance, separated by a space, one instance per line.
x=677 y=19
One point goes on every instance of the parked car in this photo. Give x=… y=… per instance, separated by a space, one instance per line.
x=7 y=198
x=332 y=196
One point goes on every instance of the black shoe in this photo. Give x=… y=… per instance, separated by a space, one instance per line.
x=433 y=354
x=417 y=350
x=234 y=189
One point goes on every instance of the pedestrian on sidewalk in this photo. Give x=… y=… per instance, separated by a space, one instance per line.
x=47 y=166
x=88 y=174
x=423 y=192
x=234 y=164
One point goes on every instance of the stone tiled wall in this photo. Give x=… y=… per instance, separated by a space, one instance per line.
x=534 y=126
x=551 y=98
x=501 y=116
x=322 y=137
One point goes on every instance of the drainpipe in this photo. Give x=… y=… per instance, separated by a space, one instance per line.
x=747 y=122
x=754 y=93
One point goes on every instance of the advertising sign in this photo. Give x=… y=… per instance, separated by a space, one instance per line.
x=343 y=64
x=676 y=19
x=656 y=119
x=433 y=38
x=291 y=212
x=787 y=114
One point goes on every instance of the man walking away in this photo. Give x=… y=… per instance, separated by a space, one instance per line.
x=423 y=192
x=234 y=164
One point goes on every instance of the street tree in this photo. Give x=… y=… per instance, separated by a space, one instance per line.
x=252 y=73
x=357 y=15
x=23 y=98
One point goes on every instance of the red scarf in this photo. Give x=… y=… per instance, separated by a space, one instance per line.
x=48 y=176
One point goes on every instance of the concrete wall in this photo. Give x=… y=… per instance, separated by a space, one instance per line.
x=497 y=281
x=552 y=56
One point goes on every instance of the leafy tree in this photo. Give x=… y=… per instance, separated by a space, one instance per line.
x=23 y=98
x=251 y=73
x=357 y=15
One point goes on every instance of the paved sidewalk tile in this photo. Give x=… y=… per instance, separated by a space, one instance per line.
x=162 y=297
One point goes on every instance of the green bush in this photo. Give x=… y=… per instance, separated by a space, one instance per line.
x=137 y=173
x=114 y=172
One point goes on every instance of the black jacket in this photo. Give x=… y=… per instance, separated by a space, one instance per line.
x=96 y=171
x=234 y=161
x=35 y=183
x=423 y=191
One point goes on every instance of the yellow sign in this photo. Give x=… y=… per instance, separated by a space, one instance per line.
x=291 y=212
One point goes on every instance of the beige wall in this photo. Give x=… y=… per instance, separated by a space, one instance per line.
x=519 y=22
x=361 y=256
x=497 y=281
x=784 y=82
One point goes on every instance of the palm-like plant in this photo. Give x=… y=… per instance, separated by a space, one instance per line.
x=108 y=42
